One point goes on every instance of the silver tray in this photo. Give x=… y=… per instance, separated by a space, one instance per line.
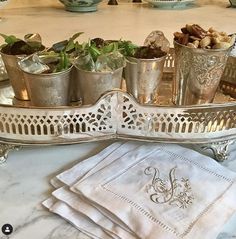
x=117 y=115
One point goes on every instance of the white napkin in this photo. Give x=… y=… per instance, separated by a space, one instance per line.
x=94 y=163
x=81 y=221
x=78 y=172
x=164 y=191
x=78 y=220
x=68 y=202
x=72 y=175
x=79 y=205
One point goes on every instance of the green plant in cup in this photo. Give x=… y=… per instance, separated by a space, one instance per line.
x=99 y=68
x=17 y=46
x=68 y=46
x=12 y=51
x=48 y=78
x=144 y=68
x=99 y=56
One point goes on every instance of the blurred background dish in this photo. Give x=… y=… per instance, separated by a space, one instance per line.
x=2 y=4
x=80 y=5
x=233 y=3
x=170 y=4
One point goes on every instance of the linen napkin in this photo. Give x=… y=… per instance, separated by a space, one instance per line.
x=99 y=166
x=94 y=163
x=164 y=191
x=65 y=198
x=83 y=206
x=67 y=212
x=75 y=218
x=71 y=175
x=79 y=205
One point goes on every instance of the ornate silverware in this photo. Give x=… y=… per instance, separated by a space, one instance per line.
x=117 y=115
x=197 y=74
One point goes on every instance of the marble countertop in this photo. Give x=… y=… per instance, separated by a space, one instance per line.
x=24 y=184
x=24 y=179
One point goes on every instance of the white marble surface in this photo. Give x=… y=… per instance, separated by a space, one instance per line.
x=24 y=179
x=24 y=184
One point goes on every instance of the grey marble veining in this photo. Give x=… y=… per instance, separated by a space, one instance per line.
x=24 y=184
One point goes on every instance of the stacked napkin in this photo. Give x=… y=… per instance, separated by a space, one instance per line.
x=148 y=191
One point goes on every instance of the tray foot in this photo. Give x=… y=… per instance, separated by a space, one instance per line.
x=219 y=149
x=5 y=149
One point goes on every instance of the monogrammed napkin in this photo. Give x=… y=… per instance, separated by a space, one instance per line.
x=68 y=202
x=163 y=191
x=130 y=190
x=78 y=172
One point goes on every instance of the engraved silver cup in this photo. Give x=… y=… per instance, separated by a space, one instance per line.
x=91 y=85
x=228 y=79
x=197 y=74
x=143 y=78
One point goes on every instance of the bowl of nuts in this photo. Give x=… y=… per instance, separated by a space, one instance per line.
x=194 y=36
x=200 y=59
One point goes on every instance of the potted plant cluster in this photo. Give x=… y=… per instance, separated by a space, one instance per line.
x=100 y=66
x=69 y=70
x=14 y=50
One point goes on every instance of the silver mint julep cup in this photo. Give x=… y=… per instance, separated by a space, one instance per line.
x=197 y=74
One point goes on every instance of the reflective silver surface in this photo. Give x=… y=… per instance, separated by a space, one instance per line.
x=117 y=115
x=143 y=78
x=91 y=85
x=3 y=72
x=48 y=89
x=15 y=75
x=197 y=74
x=164 y=97
x=33 y=64
x=228 y=80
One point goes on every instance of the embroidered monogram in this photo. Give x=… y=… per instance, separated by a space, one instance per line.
x=171 y=190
